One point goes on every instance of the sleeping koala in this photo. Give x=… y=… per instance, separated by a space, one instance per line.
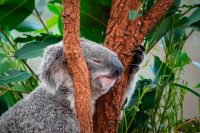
x=50 y=108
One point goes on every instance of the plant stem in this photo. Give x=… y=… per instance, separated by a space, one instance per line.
x=13 y=90
x=39 y=17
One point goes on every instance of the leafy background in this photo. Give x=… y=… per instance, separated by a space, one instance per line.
x=29 y=26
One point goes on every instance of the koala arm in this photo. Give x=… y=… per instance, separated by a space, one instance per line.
x=138 y=56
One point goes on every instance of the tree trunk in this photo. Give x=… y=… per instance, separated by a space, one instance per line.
x=123 y=36
x=76 y=64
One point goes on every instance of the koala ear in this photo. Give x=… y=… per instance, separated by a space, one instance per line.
x=52 y=65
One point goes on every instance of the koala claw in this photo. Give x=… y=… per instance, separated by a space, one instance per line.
x=138 y=56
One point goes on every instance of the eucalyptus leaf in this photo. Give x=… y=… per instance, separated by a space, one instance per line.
x=15 y=76
x=60 y=25
x=197 y=86
x=4 y=66
x=8 y=98
x=27 y=26
x=134 y=14
x=93 y=14
x=13 y=12
x=28 y=38
x=161 y=71
x=96 y=33
x=194 y=17
x=187 y=88
x=3 y=106
x=30 y=50
x=57 y=10
x=56 y=1
x=183 y=59
x=104 y=2
x=196 y=25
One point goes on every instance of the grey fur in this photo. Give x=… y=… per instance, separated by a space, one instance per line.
x=50 y=107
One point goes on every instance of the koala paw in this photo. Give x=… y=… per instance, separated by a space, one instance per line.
x=138 y=56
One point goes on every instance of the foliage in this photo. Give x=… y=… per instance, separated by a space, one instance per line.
x=160 y=112
x=161 y=97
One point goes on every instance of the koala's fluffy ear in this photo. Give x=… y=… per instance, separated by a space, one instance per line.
x=53 y=69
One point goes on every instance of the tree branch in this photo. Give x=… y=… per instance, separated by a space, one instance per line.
x=124 y=35
x=76 y=64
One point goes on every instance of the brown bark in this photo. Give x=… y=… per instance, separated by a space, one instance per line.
x=123 y=35
x=76 y=64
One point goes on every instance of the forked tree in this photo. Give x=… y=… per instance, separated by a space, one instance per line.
x=123 y=36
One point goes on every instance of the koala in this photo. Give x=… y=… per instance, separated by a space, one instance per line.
x=50 y=108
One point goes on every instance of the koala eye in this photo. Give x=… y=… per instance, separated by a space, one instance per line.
x=96 y=61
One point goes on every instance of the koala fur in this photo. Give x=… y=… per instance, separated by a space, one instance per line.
x=138 y=56
x=50 y=108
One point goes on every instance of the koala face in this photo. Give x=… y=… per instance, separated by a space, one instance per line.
x=104 y=67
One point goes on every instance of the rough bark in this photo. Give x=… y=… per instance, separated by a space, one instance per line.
x=76 y=64
x=123 y=36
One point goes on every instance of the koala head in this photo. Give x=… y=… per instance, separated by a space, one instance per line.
x=104 y=67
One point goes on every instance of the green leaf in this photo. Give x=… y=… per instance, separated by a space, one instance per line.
x=56 y=1
x=28 y=38
x=197 y=86
x=183 y=59
x=95 y=33
x=140 y=119
x=161 y=71
x=8 y=98
x=104 y=2
x=21 y=89
x=57 y=10
x=93 y=15
x=187 y=88
x=49 y=39
x=3 y=106
x=36 y=48
x=1 y=56
x=13 y=12
x=4 y=66
x=196 y=25
x=134 y=14
x=148 y=101
x=194 y=17
x=30 y=50
x=46 y=38
x=15 y=76
x=60 y=25
x=140 y=86
x=155 y=35
x=27 y=26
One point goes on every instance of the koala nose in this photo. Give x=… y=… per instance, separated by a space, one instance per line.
x=117 y=66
